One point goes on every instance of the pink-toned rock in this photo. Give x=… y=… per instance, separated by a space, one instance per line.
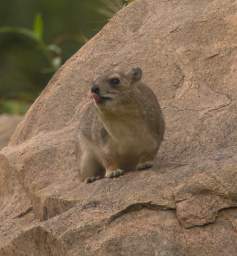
x=185 y=205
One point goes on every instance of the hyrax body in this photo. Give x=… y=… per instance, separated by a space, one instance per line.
x=122 y=128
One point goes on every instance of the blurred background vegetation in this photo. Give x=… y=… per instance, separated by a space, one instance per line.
x=36 y=37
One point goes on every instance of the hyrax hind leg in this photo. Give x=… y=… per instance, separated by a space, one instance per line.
x=145 y=162
x=145 y=165
x=90 y=168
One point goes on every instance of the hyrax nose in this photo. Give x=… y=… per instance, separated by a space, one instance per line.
x=95 y=89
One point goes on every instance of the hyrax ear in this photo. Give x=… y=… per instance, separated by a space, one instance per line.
x=135 y=74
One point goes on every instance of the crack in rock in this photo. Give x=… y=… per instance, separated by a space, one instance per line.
x=137 y=207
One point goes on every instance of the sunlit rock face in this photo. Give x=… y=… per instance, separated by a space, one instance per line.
x=185 y=205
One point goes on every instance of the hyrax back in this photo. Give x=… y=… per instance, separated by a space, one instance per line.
x=122 y=128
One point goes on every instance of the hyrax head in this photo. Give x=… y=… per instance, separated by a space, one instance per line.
x=114 y=89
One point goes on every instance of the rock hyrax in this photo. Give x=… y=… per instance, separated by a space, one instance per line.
x=121 y=129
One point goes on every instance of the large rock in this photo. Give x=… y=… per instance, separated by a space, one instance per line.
x=186 y=205
x=7 y=126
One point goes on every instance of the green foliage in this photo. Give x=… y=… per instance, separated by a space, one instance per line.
x=109 y=8
x=19 y=31
x=38 y=27
x=36 y=37
x=13 y=107
x=51 y=52
x=18 y=48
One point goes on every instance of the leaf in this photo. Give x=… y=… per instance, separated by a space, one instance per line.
x=38 y=26
x=56 y=63
x=110 y=7
x=55 y=49
x=19 y=31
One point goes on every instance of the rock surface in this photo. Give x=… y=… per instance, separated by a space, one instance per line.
x=7 y=126
x=184 y=206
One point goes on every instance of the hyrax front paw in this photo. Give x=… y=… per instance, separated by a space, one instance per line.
x=114 y=173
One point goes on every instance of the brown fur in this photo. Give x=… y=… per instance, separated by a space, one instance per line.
x=123 y=133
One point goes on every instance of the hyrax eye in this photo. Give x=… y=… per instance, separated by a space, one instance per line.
x=114 y=81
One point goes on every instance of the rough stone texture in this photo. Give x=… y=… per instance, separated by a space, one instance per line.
x=184 y=206
x=7 y=126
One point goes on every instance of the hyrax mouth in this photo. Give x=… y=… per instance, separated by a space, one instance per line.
x=99 y=98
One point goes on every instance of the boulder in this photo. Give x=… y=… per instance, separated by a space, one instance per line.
x=186 y=204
